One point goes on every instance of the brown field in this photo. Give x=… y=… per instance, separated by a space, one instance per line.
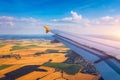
x=28 y=67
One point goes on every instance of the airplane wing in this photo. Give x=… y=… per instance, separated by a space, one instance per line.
x=105 y=54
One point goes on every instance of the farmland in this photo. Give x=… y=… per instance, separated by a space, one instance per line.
x=37 y=60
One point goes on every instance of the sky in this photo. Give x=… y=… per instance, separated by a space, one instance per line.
x=78 y=16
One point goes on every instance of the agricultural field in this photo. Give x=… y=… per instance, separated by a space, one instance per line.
x=37 y=60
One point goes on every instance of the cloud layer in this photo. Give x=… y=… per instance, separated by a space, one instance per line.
x=6 y=20
x=23 y=25
x=106 y=25
x=78 y=18
x=76 y=23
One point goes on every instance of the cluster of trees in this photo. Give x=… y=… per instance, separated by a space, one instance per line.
x=17 y=56
x=47 y=51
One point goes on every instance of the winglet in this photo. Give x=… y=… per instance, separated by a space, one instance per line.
x=47 y=29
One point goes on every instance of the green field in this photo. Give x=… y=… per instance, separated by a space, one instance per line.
x=51 y=51
x=68 y=68
x=39 y=53
x=4 y=66
x=1 y=45
x=23 y=47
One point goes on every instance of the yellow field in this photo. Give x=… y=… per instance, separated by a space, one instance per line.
x=29 y=61
x=5 y=49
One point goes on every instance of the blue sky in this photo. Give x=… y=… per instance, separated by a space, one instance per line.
x=28 y=16
x=58 y=8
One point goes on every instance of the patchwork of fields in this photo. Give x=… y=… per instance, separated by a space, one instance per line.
x=36 y=60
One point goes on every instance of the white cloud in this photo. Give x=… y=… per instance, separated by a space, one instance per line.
x=107 y=18
x=21 y=25
x=75 y=23
x=6 y=21
x=7 y=18
x=30 y=19
x=108 y=25
x=74 y=18
x=14 y=21
x=67 y=19
x=78 y=19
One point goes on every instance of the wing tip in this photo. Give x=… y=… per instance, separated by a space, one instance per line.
x=47 y=29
